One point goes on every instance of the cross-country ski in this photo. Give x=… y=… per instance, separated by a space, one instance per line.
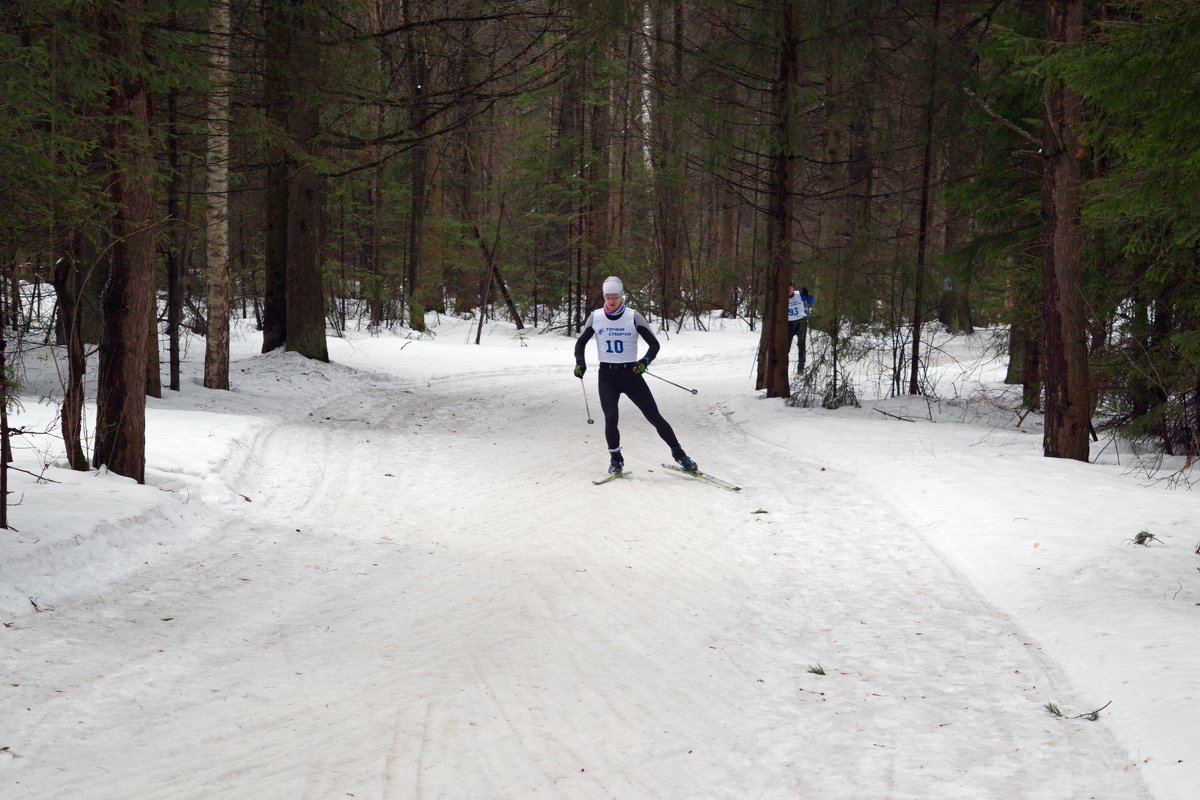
x=703 y=477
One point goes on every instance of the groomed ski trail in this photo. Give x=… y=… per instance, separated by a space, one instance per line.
x=425 y=597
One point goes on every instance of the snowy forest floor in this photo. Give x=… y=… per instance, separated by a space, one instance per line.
x=391 y=577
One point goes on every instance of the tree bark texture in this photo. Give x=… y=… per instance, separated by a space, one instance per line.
x=926 y=201
x=567 y=129
x=1064 y=340
x=418 y=76
x=666 y=152
x=589 y=225
x=465 y=283
x=1031 y=367
x=153 y=364
x=276 y=93
x=174 y=267
x=68 y=285
x=127 y=299
x=774 y=368
x=306 y=194
x=305 y=292
x=216 y=212
x=432 y=296
x=374 y=251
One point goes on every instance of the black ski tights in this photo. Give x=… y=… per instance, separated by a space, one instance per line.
x=614 y=383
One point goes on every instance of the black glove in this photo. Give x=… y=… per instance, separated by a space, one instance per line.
x=579 y=370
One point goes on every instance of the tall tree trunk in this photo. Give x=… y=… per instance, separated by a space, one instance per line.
x=306 y=192
x=1032 y=368
x=926 y=201
x=216 y=213
x=374 y=248
x=174 y=292
x=567 y=131
x=153 y=364
x=465 y=283
x=590 y=230
x=667 y=74
x=848 y=166
x=433 y=295
x=727 y=284
x=774 y=367
x=278 y=26
x=1064 y=348
x=69 y=280
x=416 y=238
x=418 y=76
x=955 y=230
x=625 y=92
x=126 y=301
x=373 y=240
x=68 y=285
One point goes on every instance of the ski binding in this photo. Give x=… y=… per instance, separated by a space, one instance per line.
x=612 y=476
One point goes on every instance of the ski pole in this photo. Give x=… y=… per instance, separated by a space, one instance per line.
x=585 y=403
x=676 y=385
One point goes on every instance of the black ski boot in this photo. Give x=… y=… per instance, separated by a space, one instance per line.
x=616 y=464
x=685 y=463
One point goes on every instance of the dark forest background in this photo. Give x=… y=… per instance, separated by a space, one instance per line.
x=323 y=165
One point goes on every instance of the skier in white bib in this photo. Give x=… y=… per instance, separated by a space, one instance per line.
x=617 y=329
x=800 y=305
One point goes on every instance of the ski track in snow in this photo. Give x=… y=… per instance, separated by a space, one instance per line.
x=449 y=609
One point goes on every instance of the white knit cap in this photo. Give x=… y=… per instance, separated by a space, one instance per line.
x=613 y=285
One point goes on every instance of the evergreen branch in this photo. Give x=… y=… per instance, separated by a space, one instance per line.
x=1012 y=126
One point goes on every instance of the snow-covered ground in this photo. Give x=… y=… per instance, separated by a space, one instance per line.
x=391 y=576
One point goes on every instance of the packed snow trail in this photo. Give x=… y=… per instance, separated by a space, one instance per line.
x=424 y=596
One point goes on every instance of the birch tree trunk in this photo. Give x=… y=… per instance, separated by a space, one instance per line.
x=216 y=212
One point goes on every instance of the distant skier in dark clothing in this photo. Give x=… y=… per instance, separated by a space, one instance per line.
x=616 y=329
